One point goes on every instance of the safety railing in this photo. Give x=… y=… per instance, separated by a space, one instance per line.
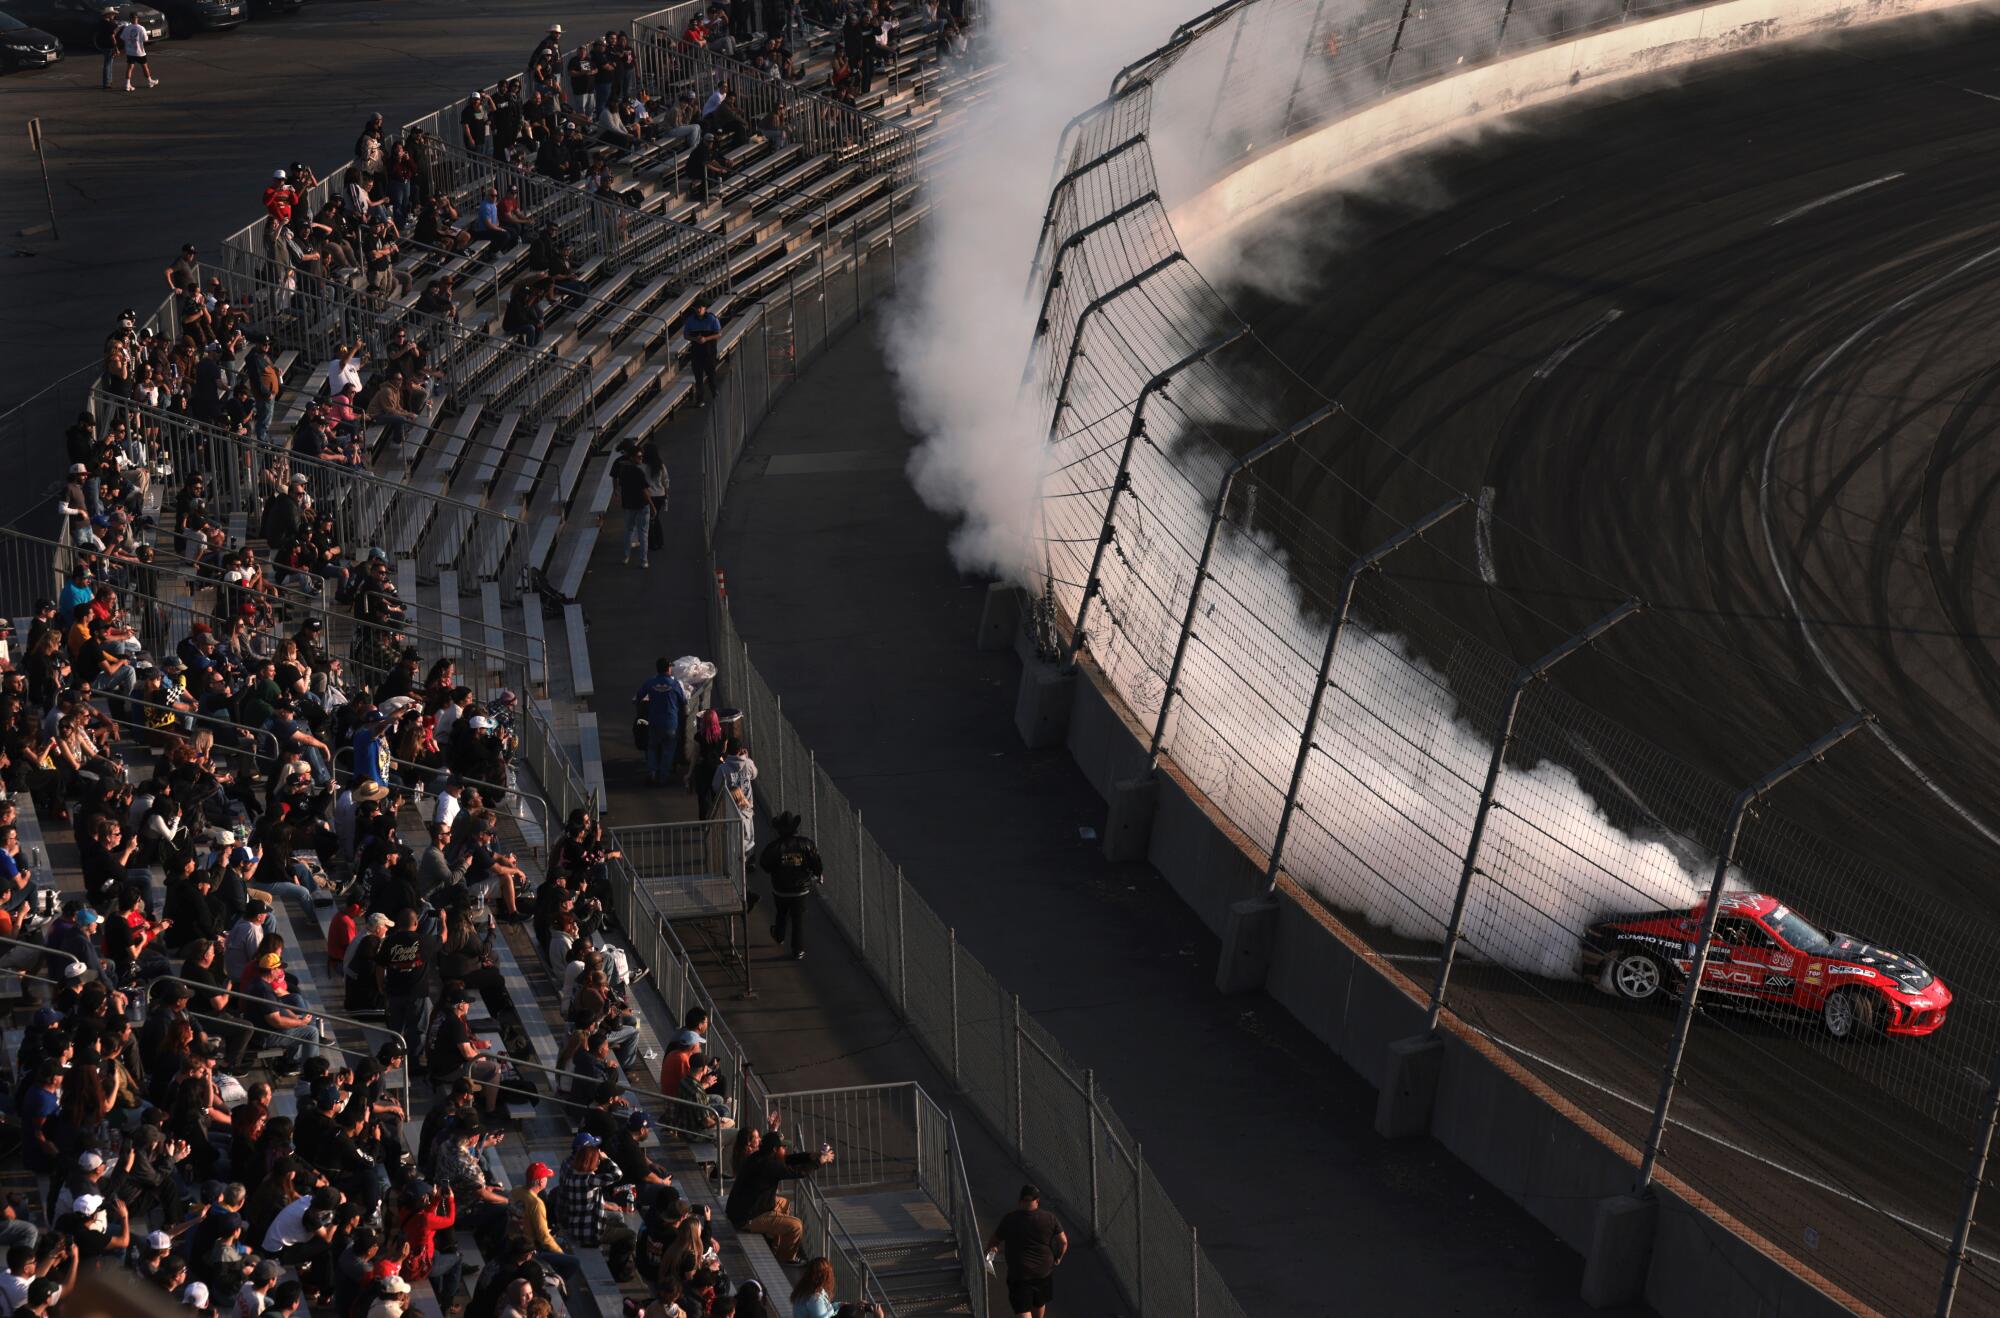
x=319 y=317
x=668 y=66
x=368 y=510
x=677 y=861
x=421 y=776
x=175 y=717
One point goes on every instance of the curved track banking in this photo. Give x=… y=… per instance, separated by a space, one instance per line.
x=1727 y=344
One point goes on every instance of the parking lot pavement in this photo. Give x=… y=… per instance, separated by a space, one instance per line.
x=135 y=176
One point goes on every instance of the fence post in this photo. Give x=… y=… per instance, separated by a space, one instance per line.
x=1526 y=678
x=1139 y=1221
x=1236 y=469
x=1123 y=480
x=951 y=951
x=1975 y=1177
x=861 y=884
x=902 y=948
x=1396 y=43
x=1344 y=601
x=778 y=715
x=1090 y=1128
x=812 y=777
x=1019 y=1125
x=1194 y=1266
x=1691 y=992
x=1305 y=57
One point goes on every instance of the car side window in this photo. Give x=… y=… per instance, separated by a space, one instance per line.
x=1738 y=932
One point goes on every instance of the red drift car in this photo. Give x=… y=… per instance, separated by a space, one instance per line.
x=1767 y=955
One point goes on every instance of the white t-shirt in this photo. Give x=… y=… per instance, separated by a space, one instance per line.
x=289 y=1226
x=340 y=374
x=132 y=40
x=447 y=811
x=14 y=1290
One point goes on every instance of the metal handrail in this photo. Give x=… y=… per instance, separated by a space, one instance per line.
x=630 y=1088
x=469 y=782
x=313 y=1012
x=45 y=950
x=277 y=749
x=965 y=1219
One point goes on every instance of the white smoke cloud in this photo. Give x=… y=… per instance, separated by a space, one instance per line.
x=1387 y=806
x=958 y=340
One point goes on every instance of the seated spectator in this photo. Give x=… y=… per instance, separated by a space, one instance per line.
x=754 y=1203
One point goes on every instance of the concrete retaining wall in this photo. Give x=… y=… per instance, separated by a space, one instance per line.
x=1517 y=1133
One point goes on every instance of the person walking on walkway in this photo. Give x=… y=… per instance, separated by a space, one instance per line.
x=703 y=330
x=1035 y=1243
x=734 y=778
x=105 y=41
x=628 y=473
x=794 y=865
x=661 y=701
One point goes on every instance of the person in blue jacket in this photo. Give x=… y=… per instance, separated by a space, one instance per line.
x=661 y=701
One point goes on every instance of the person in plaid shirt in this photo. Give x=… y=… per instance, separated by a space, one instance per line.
x=584 y=1214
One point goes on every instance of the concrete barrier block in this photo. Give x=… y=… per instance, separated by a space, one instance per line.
x=1128 y=828
x=1248 y=939
x=1621 y=1251
x=1409 y=1090
x=1000 y=617
x=1041 y=709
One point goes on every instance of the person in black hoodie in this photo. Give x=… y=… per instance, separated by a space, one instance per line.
x=753 y=1201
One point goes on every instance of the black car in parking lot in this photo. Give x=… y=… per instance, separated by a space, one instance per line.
x=75 y=21
x=24 y=47
x=185 y=16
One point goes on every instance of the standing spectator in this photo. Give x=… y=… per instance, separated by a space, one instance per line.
x=265 y=386
x=474 y=119
x=702 y=329
x=733 y=778
x=582 y=80
x=635 y=497
x=1035 y=1243
x=794 y=865
x=105 y=40
x=661 y=701
x=132 y=40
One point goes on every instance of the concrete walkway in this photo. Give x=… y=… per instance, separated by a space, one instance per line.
x=842 y=587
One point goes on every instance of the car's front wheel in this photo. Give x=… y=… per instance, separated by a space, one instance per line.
x=1637 y=976
x=1854 y=1014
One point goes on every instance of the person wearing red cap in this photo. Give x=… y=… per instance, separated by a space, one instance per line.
x=528 y=1218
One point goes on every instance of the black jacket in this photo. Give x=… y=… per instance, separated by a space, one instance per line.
x=757 y=1180
x=793 y=864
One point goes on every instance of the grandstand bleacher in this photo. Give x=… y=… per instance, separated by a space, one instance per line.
x=486 y=511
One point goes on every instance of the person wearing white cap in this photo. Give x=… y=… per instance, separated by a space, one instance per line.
x=101 y=1227
x=83 y=1178
x=195 y=1295
x=393 y=1299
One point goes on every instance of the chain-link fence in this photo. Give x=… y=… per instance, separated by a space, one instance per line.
x=1289 y=607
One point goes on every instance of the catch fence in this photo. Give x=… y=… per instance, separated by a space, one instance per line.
x=1304 y=622
x=1044 y=1108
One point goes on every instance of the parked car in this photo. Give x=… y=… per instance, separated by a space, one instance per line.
x=24 y=47
x=75 y=21
x=1767 y=956
x=186 y=16
x=278 y=6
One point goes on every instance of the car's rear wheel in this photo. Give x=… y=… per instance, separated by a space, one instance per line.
x=1637 y=976
x=1853 y=1014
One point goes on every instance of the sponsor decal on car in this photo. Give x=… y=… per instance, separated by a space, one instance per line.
x=1849 y=970
x=1780 y=961
x=1815 y=972
x=1778 y=983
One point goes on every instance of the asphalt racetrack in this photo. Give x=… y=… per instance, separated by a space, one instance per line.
x=1726 y=345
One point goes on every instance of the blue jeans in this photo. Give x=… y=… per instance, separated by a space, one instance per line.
x=446 y=1269
x=662 y=741
x=266 y=412
x=308 y=1041
x=638 y=530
